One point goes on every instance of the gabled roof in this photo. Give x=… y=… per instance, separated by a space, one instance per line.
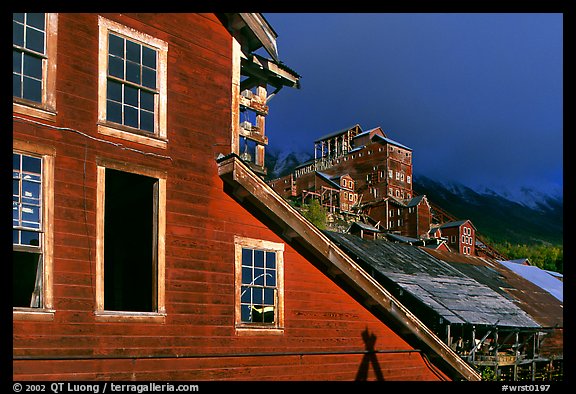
x=260 y=199
x=389 y=141
x=328 y=179
x=457 y=223
x=415 y=200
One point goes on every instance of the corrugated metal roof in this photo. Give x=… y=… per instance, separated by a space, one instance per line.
x=539 y=277
x=542 y=306
x=437 y=284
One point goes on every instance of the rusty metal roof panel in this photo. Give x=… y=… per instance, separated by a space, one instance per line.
x=449 y=291
x=542 y=306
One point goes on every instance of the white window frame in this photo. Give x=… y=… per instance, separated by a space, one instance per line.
x=102 y=314
x=47 y=154
x=243 y=328
x=159 y=138
x=47 y=108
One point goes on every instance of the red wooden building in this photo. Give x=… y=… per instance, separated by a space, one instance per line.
x=460 y=236
x=146 y=245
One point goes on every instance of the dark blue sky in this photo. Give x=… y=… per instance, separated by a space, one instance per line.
x=478 y=97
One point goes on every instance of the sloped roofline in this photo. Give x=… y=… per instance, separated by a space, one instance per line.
x=253 y=193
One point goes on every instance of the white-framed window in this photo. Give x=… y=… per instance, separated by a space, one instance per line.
x=390 y=174
x=402 y=176
x=32 y=238
x=34 y=63
x=259 y=267
x=132 y=91
x=397 y=193
x=130 y=265
x=408 y=180
x=397 y=176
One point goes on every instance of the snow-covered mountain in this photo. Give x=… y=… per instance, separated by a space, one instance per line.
x=525 y=215
x=282 y=162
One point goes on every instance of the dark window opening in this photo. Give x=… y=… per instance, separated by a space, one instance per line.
x=130 y=242
x=27 y=279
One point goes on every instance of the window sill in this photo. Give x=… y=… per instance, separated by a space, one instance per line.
x=133 y=136
x=33 y=314
x=131 y=317
x=256 y=331
x=37 y=112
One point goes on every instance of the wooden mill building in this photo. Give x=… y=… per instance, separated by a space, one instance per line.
x=146 y=245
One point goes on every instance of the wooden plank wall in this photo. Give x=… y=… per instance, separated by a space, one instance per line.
x=201 y=223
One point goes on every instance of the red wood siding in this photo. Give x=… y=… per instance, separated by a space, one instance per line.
x=201 y=221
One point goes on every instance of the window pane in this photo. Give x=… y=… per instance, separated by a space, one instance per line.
x=31 y=238
x=114 y=91
x=133 y=72
x=17 y=61
x=15 y=187
x=32 y=90
x=130 y=95
x=36 y=19
x=257 y=296
x=31 y=216
x=270 y=277
x=245 y=295
x=133 y=51
x=258 y=258
x=16 y=85
x=31 y=164
x=113 y=112
x=271 y=260
x=148 y=57
x=246 y=257
x=16 y=237
x=15 y=161
x=35 y=40
x=130 y=116
x=259 y=276
x=246 y=275
x=18 y=16
x=17 y=34
x=147 y=121
x=115 y=67
x=245 y=313
x=149 y=78
x=30 y=190
x=269 y=315
x=147 y=101
x=269 y=296
x=15 y=214
x=115 y=45
x=33 y=66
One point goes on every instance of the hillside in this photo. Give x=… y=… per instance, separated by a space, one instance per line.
x=536 y=219
x=529 y=217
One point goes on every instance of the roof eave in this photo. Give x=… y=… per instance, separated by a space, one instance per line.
x=252 y=191
x=263 y=32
